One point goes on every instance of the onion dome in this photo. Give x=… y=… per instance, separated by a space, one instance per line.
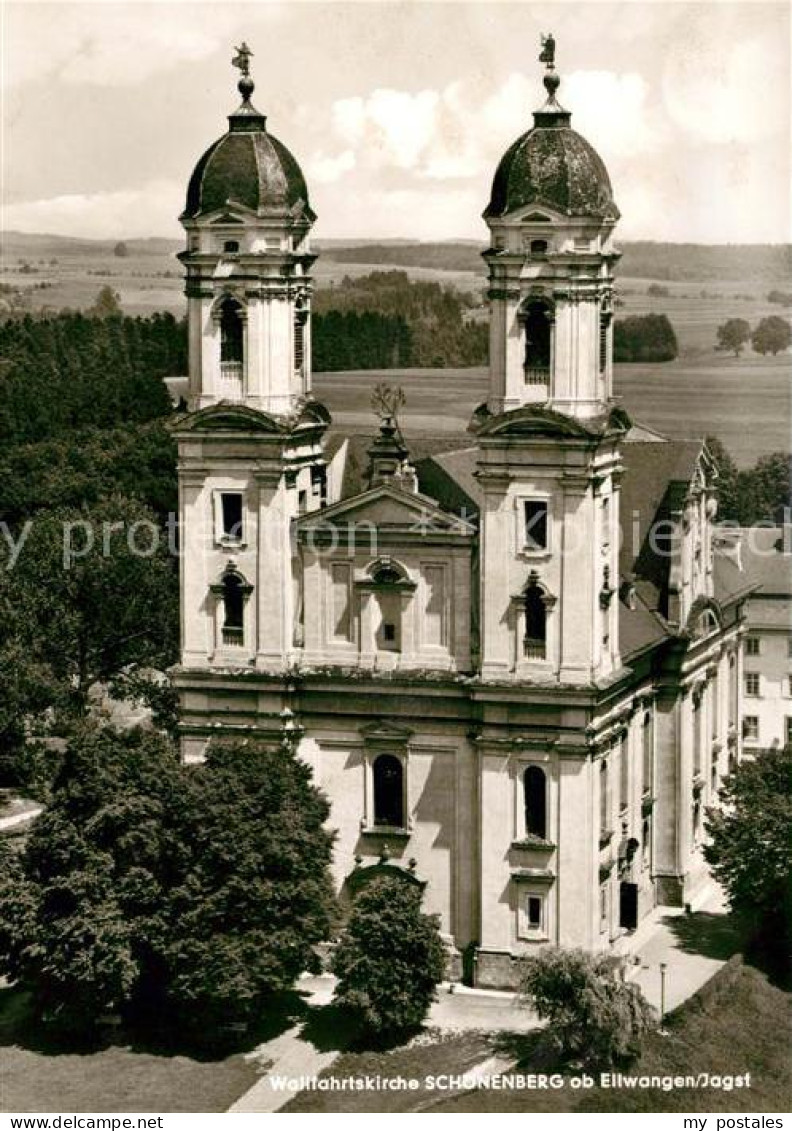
x=551 y=164
x=247 y=166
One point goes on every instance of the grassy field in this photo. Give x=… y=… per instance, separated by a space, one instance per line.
x=39 y=1074
x=150 y=278
x=683 y=398
x=737 y=1024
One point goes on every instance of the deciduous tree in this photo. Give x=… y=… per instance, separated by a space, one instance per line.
x=772 y=335
x=389 y=959
x=733 y=334
x=750 y=849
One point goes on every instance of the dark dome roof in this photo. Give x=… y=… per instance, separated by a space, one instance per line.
x=247 y=166
x=553 y=165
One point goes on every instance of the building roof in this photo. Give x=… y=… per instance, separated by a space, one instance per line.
x=764 y=558
x=553 y=165
x=247 y=166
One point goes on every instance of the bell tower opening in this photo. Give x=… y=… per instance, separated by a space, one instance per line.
x=537 y=336
x=232 y=342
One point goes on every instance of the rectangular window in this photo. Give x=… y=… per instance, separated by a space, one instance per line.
x=750 y=728
x=788 y=728
x=435 y=607
x=715 y=705
x=604 y=905
x=230 y=516
x=389 y=632
x=752 y=684
x=319 y=484
x=535 y=532
x=788 y=691
x=341 y=584
x=606 y=532
x=624 y=772
x=647 y=736
x=789 y=646
x=534 y=906
x=752 y=646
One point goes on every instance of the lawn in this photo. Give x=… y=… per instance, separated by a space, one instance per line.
x=738 y=1023
x=38 y=1074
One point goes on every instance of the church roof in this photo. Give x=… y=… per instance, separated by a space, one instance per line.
x=247 y=166
x=553 y=165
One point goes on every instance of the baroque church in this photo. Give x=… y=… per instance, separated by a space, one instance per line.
x=514 y=666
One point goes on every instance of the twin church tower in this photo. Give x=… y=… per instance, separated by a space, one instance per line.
x=444 y=634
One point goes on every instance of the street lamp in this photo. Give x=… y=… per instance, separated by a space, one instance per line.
x=663 y=968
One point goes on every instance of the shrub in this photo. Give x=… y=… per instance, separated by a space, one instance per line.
x=594 y=1017
x=644 y=337
x=389 y=960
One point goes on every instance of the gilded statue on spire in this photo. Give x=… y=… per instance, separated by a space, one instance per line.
x=548 y=50
x=242 y=59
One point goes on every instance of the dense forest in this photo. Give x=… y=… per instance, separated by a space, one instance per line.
x=417 y=323
x=71 y=371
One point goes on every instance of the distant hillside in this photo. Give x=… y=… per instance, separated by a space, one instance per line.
x=745 y=263
x=673 y=262
x=39 y=245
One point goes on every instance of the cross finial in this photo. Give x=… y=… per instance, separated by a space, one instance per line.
x=242 y=59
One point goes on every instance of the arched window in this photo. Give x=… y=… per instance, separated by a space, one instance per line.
x=535 y=642
x=388 y=774
x=300 y=319
x=535 y=796
x=231 y=332
x=234 y=591
x=537 y=328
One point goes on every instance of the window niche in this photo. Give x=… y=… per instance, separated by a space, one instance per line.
x=533 y=907
x=385 y=592
x=231 y=592
x=534 y=783
x=386 y=762
x=532 y=608
x=387 y=773
x=229 y=518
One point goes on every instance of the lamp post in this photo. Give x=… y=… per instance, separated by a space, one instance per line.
x=663 y=967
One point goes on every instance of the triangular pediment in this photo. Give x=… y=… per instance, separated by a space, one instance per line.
x=388 y=506
x=385 y=731
x=227 y=218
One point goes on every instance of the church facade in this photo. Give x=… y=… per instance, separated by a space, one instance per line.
x=515 y=666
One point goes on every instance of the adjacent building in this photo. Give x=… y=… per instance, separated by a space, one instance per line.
x=764 y=554
x=515 y=667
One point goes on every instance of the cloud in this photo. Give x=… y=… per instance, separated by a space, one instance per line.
x=115 y=44
x=326 y=169
x=461 y=131
x=149 y=210
x=736 y=95
x=395 y=125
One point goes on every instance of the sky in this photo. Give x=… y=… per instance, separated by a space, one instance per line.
x=398 y=112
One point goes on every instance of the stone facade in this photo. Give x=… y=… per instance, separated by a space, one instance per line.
x=522 y=694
